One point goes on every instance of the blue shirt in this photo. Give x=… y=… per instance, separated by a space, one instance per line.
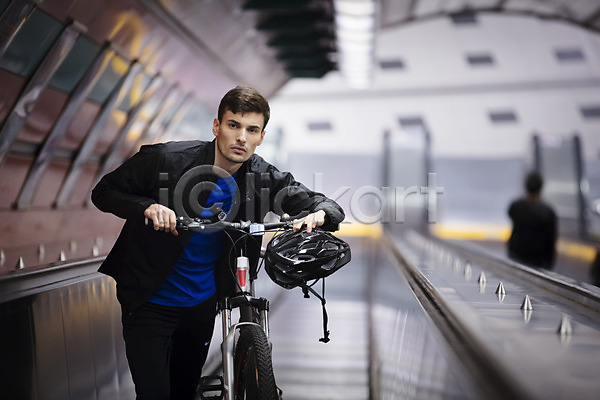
x=192 y=279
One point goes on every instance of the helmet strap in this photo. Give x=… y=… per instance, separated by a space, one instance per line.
x=306 y=289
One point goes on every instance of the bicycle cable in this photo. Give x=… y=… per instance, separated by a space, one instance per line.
x=234 y=243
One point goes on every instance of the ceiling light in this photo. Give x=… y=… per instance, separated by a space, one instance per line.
x=355 y=30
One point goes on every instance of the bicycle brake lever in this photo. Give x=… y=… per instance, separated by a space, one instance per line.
x=289 y=218
x=187 y=224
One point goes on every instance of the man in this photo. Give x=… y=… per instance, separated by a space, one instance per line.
x=168 y=281
x=534 y=233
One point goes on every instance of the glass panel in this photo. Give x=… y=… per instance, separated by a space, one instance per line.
x=592 y=170
x=75 y=65
x=151 y=107
x=559 y=163
x=405 y=172
x=109 y=80
x=31 y=44
x=3 y=4
x=140 y=84
x=171 y=112
x=195 y=125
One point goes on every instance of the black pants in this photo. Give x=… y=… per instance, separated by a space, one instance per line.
x=166 y=348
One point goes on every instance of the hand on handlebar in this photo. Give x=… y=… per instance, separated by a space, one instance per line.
x=163 y=218
x=311 y=221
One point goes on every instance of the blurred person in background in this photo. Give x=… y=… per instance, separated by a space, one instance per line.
x=535 y=228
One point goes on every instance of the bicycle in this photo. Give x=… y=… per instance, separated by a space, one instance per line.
x=247 y=365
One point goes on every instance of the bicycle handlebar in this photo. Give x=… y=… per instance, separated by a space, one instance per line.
x=254 y=228
x=198 y=224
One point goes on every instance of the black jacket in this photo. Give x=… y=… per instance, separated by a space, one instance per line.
x=142 y=258
x=534 y=234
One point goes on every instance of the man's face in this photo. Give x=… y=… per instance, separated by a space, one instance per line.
x=237 y=135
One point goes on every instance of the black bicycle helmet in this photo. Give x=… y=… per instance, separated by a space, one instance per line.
x=295 y=258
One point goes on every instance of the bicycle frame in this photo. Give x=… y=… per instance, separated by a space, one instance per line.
x=244 y=300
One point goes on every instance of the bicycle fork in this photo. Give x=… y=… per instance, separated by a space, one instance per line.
x=245 y=302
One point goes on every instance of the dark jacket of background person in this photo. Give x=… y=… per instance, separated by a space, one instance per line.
x=142 y=258
x=534 y=234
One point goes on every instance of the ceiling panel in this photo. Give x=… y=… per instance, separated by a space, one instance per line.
x=267 y=42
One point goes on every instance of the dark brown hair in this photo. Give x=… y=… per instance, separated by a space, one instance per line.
x=244 y=99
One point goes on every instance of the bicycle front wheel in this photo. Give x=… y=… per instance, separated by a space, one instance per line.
x=254 y=377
